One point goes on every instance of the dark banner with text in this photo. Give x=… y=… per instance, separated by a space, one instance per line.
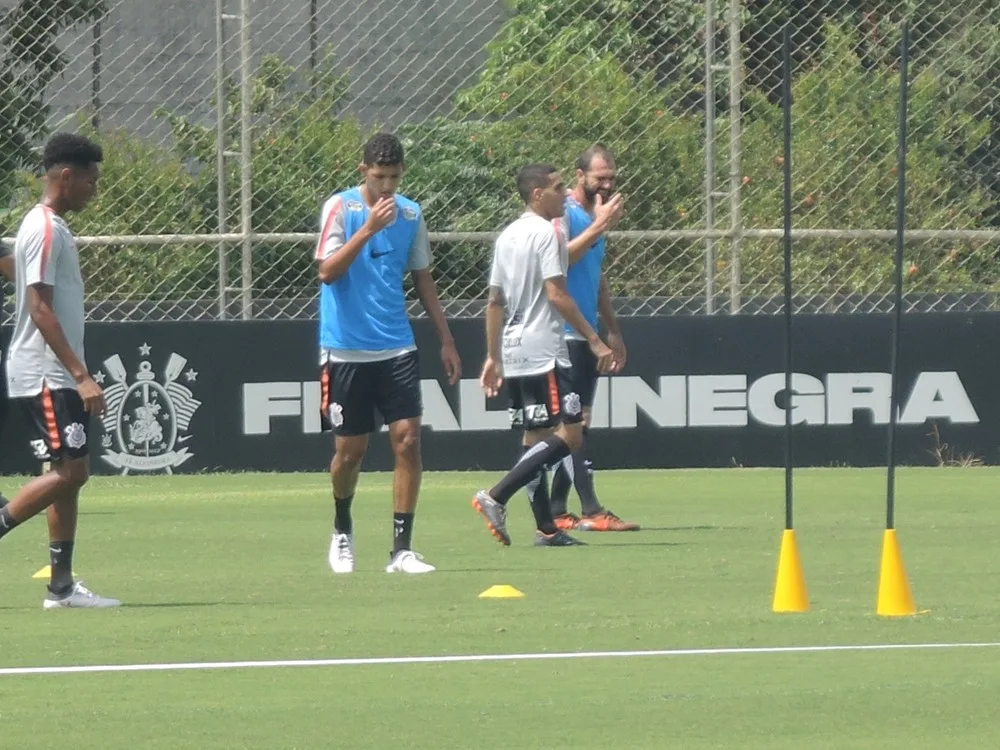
x=697 y=391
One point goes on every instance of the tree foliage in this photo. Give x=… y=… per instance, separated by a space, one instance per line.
x=559 y=76
x=29 y=60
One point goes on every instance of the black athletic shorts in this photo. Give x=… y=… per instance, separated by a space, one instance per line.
x=58 y=425
x=352 y=392
x=585 y=373
x=545 y=400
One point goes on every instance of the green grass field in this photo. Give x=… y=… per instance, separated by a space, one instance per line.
x=233 y=567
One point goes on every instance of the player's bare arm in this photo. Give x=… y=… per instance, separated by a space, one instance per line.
x=562 y=301
x=40 y=307
x=606 y=217
x=380 y=216
x=607 y=312
x=423 y=282
x=491 y=377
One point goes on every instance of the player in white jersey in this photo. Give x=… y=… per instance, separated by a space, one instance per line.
x=46 y=370
x=526 y=348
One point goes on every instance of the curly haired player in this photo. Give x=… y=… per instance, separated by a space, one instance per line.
x=46 y=370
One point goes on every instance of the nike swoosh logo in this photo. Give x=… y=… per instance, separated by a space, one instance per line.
x=379 y=255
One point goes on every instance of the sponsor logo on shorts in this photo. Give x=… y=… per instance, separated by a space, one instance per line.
x=40 y=449
x=336 y=414
x=532 y=415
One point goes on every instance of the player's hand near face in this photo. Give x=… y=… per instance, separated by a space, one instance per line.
x=608 y=214
x=381 y=215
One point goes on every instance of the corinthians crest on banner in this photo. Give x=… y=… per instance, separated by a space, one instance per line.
x=147 y=420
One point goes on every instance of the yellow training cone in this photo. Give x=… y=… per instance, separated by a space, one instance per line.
x=502 y=591
x=790 y=588
x=46 y=572
x=895 y=599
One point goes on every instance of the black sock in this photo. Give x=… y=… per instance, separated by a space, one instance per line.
x=3 y=500
x=532 y=486
x=540 y=455
x=342 y=521
x=61 y=559
x=538 y=494
x=7 y=522
x=561 y=483
x=402 y=531
x=583 y=481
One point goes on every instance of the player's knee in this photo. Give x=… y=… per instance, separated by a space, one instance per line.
x=73 y=472
x=349 y=454
x=572 y=435
x=407 y=442
x=587 y=414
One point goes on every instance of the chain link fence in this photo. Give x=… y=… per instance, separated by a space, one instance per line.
x=226 y=123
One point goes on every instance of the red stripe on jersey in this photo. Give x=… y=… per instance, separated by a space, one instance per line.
x=327 y=226
x=562 y=239
x=46 y=242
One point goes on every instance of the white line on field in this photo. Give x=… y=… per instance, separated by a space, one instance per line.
x=467 y=658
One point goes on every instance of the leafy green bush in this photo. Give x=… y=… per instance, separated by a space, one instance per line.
x=549 y=89
x=844 y=121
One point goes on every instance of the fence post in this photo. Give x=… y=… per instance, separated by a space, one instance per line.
x=710 y=242
x=220 y=151
x=736 y=153
x=246 y=159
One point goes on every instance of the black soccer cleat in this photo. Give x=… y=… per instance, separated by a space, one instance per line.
x=558 y=539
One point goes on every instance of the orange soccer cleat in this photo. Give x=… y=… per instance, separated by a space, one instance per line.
x=605 y=520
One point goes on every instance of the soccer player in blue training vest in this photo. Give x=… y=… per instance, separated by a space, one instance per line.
x=592 y=209
x=526 y=347
x=371 y=237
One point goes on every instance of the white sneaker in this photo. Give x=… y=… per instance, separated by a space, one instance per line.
x=79 y=597
x=408 y=561
x=342 y=553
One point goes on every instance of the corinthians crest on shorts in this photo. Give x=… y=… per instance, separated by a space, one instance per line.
x=147 y=419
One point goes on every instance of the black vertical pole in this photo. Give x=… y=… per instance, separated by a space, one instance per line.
x=904 y=56
x=786 y=107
